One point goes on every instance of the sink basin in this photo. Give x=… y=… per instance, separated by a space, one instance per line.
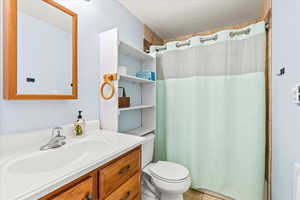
x=55 y=159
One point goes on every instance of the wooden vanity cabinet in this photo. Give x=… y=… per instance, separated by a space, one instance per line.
x=119 y=179
x=113 y=175
x=80 y=189
x=128 y=191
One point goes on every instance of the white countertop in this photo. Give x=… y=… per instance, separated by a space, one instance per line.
x=36 y=179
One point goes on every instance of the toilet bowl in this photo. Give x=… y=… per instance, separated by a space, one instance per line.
x=162 y=180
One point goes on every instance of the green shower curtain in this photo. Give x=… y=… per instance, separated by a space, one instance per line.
x=211 y=113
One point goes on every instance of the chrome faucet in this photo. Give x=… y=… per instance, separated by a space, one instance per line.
x=57 y=139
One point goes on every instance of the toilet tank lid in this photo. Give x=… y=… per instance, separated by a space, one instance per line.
x=149 y=138
x=169 y=171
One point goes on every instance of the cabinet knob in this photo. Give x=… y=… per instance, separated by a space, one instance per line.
x=126 y=196
x=90 y=196
x=125 y=170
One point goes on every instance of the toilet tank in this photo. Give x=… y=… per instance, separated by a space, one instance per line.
x=148 y=149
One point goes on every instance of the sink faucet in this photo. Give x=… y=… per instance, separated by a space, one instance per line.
x=57 y=139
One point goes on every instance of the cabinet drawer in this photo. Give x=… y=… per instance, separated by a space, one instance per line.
x=129 y=190
x=81 y=191
x=118 y=172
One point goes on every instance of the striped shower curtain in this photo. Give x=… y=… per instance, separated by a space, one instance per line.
x=211 y=111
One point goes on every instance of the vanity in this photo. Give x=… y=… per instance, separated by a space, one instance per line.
x=118 y=179
x=102 y=165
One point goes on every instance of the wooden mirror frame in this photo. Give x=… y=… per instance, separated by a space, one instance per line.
x=11 y=56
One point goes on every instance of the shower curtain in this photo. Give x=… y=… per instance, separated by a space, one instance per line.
x=211 y=111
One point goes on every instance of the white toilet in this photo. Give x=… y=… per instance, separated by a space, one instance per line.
x=162 y=180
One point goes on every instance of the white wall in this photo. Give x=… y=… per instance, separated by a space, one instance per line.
x=94 y=17
x=286 y=115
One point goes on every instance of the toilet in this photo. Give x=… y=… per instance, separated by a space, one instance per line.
x=162 y=180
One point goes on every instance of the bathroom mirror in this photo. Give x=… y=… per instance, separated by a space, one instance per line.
x=40 y=44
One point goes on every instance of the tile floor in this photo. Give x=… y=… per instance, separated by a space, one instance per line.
x=195 y=195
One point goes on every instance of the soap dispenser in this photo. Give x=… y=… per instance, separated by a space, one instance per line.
x=79 y=125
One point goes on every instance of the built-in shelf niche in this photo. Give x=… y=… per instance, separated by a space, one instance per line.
x=139 y=118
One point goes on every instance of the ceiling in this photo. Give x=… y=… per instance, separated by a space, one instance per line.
x=174 y=18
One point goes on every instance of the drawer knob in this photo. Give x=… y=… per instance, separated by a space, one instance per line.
x=90 y=196
x=126 y=196
x=125 y=170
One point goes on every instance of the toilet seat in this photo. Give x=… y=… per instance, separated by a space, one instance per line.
x=169 y=172
x=162 y=180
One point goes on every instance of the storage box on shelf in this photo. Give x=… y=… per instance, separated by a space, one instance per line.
x=139 y=118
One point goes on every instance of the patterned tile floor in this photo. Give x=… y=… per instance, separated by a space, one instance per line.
x=195 y=195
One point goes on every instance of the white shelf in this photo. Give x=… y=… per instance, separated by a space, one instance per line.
x=134 y=79
x=143 y=92
x=136 y=107
x=134 y=52
x=140 y=131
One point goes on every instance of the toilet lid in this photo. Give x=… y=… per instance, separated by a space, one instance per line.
x=169 y=171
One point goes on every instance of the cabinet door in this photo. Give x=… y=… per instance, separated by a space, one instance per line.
x=118 y=172
x=129 y=190
x=81 y=191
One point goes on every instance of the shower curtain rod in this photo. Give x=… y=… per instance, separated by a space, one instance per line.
x=267 y=26
x=180 y=44
x=215 y=37
x=216 y=30
x=236 y=33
